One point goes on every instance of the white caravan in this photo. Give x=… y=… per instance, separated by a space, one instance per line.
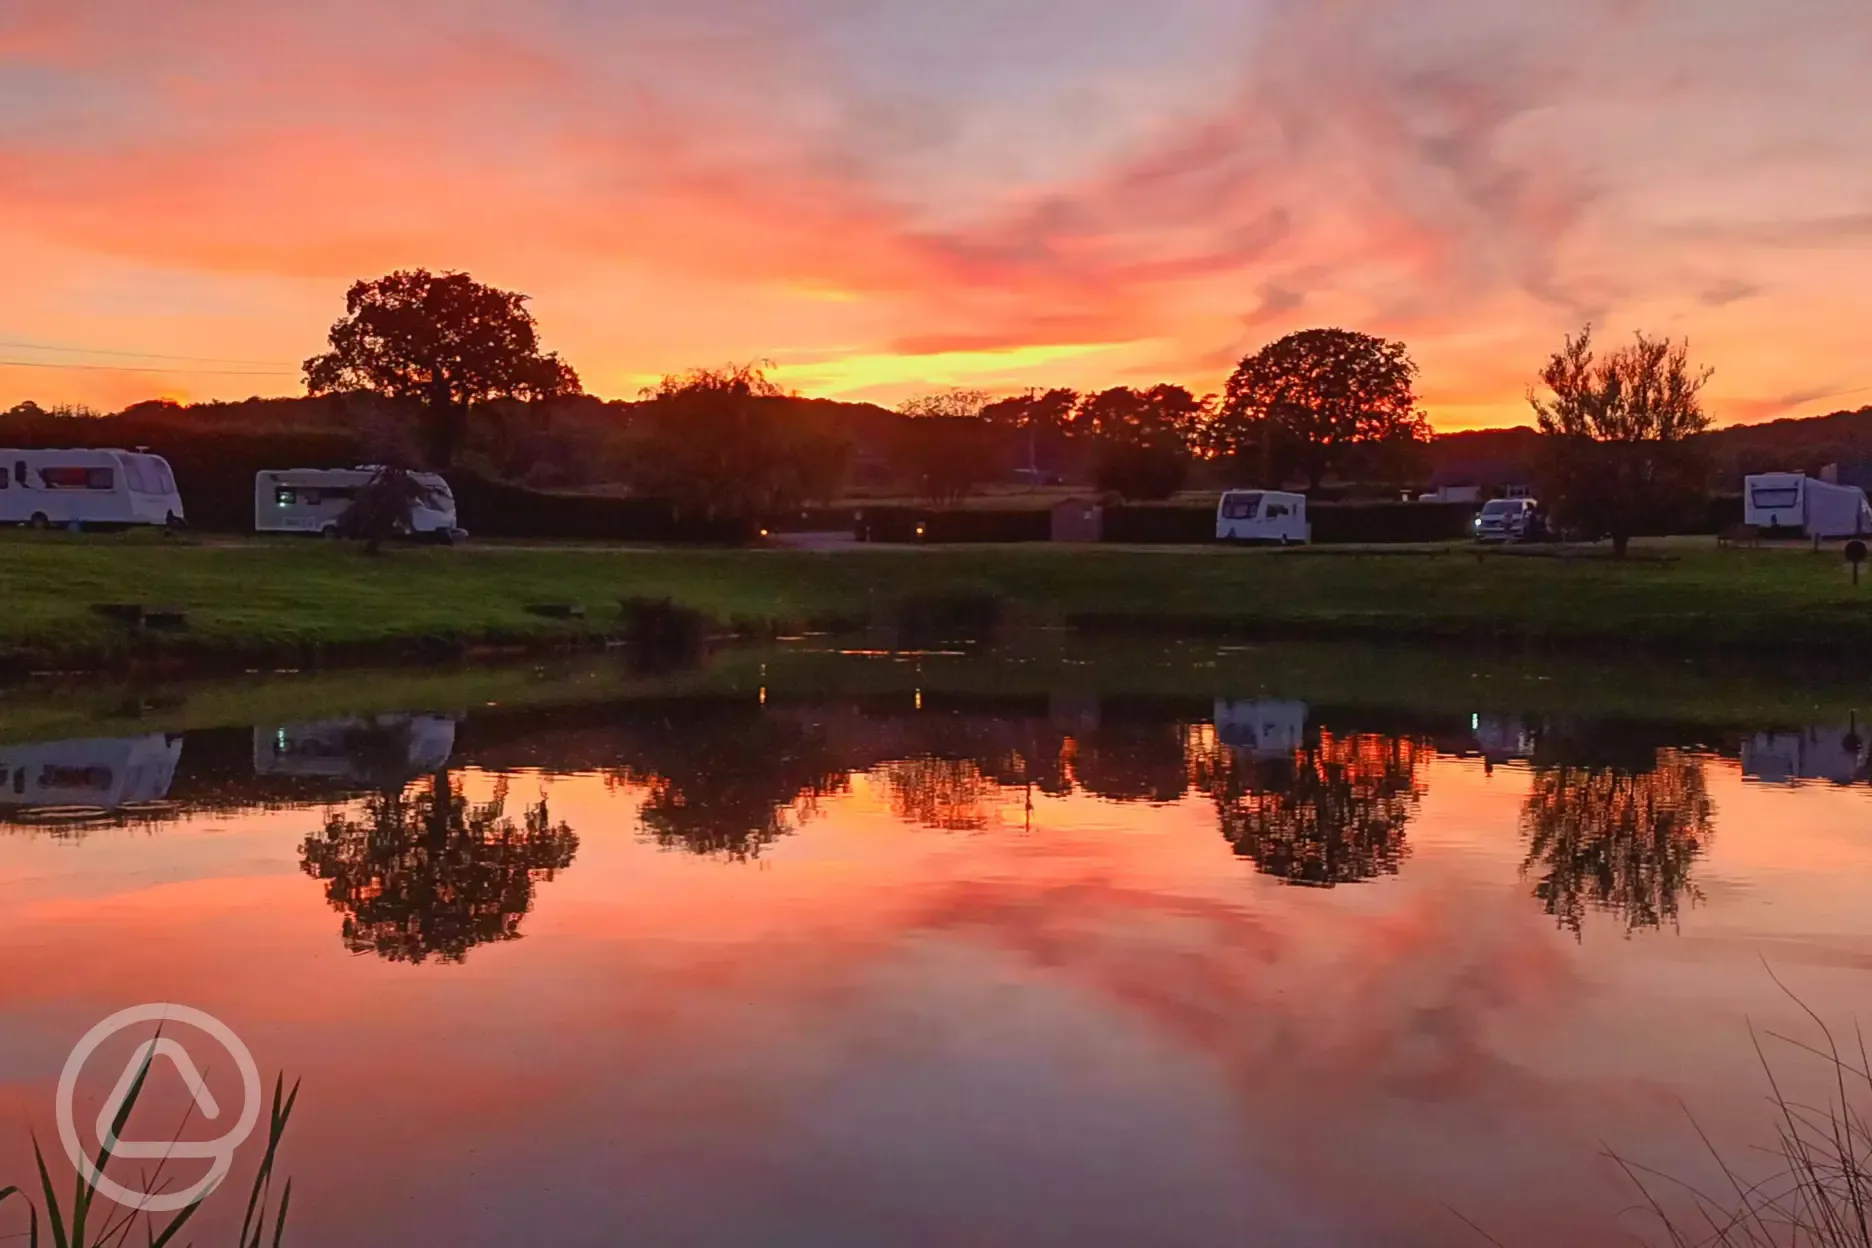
x=91 y=774
x=312 y=500
x=1262 y=516
x=1794 y=500
x=91 y=488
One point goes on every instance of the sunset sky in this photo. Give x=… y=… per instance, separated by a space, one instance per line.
x=890 y=196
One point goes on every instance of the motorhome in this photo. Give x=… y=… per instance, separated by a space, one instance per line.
x=1808 y=505
x=100 y=774
x=314 y=500
x=87 y=489
x=1262 y=516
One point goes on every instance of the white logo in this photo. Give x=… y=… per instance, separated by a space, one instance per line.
x=220 y=1152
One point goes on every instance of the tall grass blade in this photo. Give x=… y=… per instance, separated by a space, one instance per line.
x=51 y=1199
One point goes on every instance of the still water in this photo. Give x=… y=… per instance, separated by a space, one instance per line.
x=904 y=953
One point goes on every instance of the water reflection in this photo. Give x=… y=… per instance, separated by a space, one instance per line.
x=72 y=782
x=726 y=778
x=1618 y=839
x=374 y=752
x=422 y=872
x=1615 y=817
x=1326 y=810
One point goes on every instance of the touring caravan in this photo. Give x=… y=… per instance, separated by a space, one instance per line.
x=1262 y=516
x=87 y=488
x=313 y=500
x=100 y=774
x=1816 y=508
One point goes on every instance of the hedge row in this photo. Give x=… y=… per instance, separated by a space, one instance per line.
x=495 y=509
x=1332 y=522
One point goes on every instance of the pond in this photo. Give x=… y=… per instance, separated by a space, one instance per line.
x=1178 y=944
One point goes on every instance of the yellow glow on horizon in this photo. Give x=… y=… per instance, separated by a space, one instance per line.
x=852 y=374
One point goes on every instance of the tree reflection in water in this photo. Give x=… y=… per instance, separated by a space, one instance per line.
x=423 y=872
x=728 y=780
x=1616 y=838
x=1331 y=812
x=948 y=794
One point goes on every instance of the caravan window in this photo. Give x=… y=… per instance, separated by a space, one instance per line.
x=19 y=471
x=1276 y=509
x=1778 y=498
x=79 y=478
x=1241 y=507
x=138 y=476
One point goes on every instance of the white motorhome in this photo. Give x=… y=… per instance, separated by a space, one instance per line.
x=87 y=488
x=312 y=500
x=1794 y=500
x=101 y=774
x=1262 y=516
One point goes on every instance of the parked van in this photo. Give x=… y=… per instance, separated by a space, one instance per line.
x=1508 y=520
x=1816 y=508
x=87 y=488
x=1262 y=516
x=313 y=500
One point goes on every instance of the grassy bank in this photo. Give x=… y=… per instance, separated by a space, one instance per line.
x=282 y=602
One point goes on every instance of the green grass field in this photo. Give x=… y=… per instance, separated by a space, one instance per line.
x=273 y=598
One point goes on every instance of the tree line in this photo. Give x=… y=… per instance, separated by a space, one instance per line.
x=1622 y=450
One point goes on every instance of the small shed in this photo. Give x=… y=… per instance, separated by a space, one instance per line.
x=1078 y=520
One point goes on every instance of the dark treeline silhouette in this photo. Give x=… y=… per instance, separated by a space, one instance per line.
x=439 y=370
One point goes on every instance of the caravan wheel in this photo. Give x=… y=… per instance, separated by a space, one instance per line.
x=39 y=521
x=329 y=532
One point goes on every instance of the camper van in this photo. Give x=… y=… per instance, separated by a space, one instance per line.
x=100 y=774
x=1262 y=516
x=87 y=489
x=313 y=500
x=1816 y=508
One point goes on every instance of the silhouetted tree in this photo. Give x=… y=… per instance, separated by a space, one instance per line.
x=1141 y=438
x=1620 y=452
x=1042 y=419
x=945 y=447
x=443 y=341
x=1132 y=760
x=426 y=873
x=1613 y=839
x=1331 y=813
x=1314 y=399
x=385 y=507
x=716 y=443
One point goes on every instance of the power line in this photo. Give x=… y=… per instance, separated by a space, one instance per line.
x=140 y=355
x=123 y=368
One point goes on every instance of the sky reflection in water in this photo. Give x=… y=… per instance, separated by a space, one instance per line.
x=931 y=969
